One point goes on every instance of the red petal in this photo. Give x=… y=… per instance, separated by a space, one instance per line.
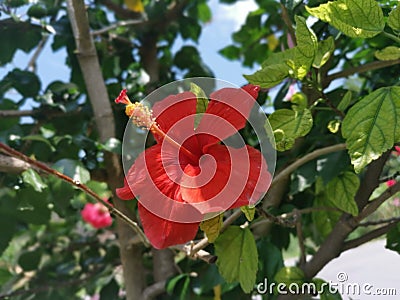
x=122 y=97
x=258 y=181
x=173 y=109
x=238 y=177
x=227 y=112
x=163 y=233
x=252 y=90
x=125 y=192
x=154 y=180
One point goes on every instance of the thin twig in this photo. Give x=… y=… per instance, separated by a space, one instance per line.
x=79 y=185
x=116 y=25
x=154 y=290
x=300 y=238
x=375 y=203
x=368 y=237
x=305 y=159
x=380 y=222
x=375 y=65
x=288 y=23
x=32 y=62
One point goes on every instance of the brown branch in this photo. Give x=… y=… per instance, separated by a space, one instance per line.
x=368 y=236
x=300 y=237
x=45 y=113
x=309 y=157
x=154 y=290
x=9 y=164
x=375 y=65
x=379 y=222
x=332 y=246
x=375 y=203
x=288 y=23
x=51 y=285
x=116 y=25
x=77 y=184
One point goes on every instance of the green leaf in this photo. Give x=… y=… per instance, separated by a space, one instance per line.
x=322 y=286
x=33 y=206
x=394 y=18
x=39 y=138
x=273 y=70
x=28 y=37
x=204 y=12
x=25 y=82
x=172 y=284
x=345 y=102
x=324 y=52
x=355 y=18
x=230 y=52
x=289 y=275
x=201 y=104
x=269 y=76
x=30 y=260
x=271 y=259
x=73 y=169
x=248 y=212
x=342 y=190
x=211 y=227
x=393 y=239
x=32 y=178
x=237 y=257
x=189 y=28
x=371 y=126
x=110 y=290
x=388 y=53
x=323 y=220
x=5 y=276
x=305 y=49
x=288 y=125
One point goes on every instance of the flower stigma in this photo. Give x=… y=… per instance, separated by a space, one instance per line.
x=142 y=116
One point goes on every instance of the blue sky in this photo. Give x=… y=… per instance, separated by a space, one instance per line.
x=216 y=34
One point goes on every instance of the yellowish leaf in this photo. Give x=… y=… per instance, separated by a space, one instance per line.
x=211 y=227
x=217 y=292
x=134 y=5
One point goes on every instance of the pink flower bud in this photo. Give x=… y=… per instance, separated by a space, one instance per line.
x=96 y=215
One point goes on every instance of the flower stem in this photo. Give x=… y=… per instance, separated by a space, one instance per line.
x=79 y=185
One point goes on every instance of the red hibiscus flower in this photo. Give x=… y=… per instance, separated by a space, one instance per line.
x=96 y=215
x=189 y=174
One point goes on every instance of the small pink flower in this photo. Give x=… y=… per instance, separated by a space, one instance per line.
x=397 y=150
x=396 y=202
x=390 y=182
x=96 y=215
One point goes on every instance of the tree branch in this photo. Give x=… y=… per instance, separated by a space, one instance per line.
x=9 y=164
x=332 y=246
x=375 y=65
x=305 y=159
x=116 y=25
x=154 y=290
x=77 y=184
x=368 y=236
